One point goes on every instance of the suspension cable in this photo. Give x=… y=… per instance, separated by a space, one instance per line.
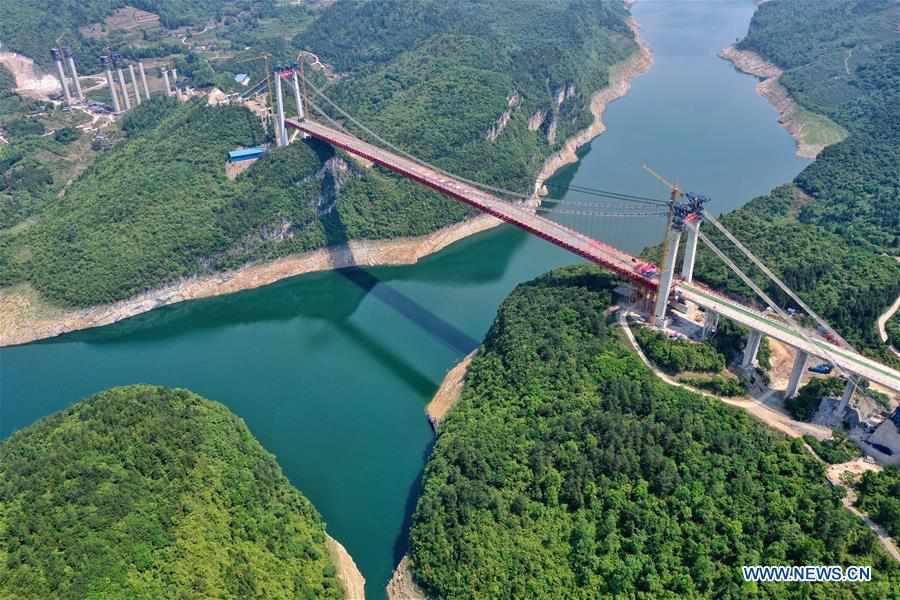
x=589 y=213
x=618 y=195
x=597 y=204
x=795 y=327
x=499 y=190
x=412 y=157
x=762 y=267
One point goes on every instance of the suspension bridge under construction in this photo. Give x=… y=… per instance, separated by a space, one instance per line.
x=661 y=283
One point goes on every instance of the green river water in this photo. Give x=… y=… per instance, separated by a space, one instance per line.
x=332 y=371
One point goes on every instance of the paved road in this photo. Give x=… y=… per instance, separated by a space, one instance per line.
x=846 y=359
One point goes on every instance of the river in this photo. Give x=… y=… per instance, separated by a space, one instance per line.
x=332 y=371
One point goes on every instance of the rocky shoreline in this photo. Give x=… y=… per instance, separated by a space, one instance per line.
x=769 y=86
x=347 y=572
x=402 y=585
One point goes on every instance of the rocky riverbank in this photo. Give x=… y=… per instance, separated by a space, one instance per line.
x=402 y=586
x=450 y=391
x=798 y=122
x=347 y=572
x=24 y=317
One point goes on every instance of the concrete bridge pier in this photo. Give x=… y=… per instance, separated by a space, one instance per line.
x=144 y=79
x=134 y=84
x=57 y=58
x=852 y=383
x=796 y=374
x=124 y=89
x=665 y=279
x=165 y=74
x=710 y=322
x=67 y=52
x=112 y=89
x=690 y=251
x=753 y=342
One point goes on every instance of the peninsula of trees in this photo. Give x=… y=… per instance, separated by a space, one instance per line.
x=568 y=470
x=144 y=492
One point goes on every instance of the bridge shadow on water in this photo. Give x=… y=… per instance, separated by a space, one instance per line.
x=314 y=295
x=414 y=312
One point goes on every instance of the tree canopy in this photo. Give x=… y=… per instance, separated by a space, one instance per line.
x=568 y=470
x=143 y=492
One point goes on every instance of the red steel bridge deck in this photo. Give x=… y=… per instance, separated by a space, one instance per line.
x=604 y=255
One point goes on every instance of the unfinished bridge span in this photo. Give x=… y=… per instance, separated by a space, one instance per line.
x=522 y=215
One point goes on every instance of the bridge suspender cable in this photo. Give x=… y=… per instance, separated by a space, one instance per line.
x=580 y=189
x=588 y=213
x=787 y=318
x=772 y=276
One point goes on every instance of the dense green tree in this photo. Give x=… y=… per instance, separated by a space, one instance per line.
x=568 y=470
x=838 y=449
x=144 y=492
x=805 y=404
x=677 y=355
x=879 y=496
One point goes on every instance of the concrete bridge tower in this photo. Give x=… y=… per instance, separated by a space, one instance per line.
x=692 y=229
x=280 y=129
x=298 y=96
x=666 y=276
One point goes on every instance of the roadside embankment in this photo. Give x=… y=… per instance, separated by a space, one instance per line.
x=24 y=317
x=347 y=572
x=812 y=132
x=887 y=316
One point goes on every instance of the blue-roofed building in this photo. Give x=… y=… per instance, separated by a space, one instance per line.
x=240 y=160
x=242 y=154
x=242 y=78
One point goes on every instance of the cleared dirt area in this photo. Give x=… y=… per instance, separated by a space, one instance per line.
x=29 y=81
x=852 y=472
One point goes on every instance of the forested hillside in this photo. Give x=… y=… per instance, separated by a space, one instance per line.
x=832 y=235
x=568 y=470
x=159 y=207
x=879 y=496
x=32 y=27
x=143 y=492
